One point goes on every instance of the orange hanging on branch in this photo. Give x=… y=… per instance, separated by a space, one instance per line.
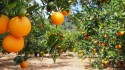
x=57 y=18
x=12 y=43
x=19 y=26
x=66 y=13
x=4 y=21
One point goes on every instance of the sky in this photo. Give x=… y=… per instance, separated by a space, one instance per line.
x=38 y=1
x=77 y=7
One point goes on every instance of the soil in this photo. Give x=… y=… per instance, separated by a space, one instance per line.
x=66 y=61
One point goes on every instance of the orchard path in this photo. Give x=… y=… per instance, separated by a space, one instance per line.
x=64 y=62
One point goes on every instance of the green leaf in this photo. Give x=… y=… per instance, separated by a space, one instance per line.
x=25 y=57
x=31 y=8
x=17 y=60
x=12 y=5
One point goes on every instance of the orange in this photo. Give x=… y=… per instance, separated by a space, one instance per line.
x=19 y=26
x=100 y=44
x=116 y=47
x=118 y=34
x=103 y=44
x=66 y=13
x=12 y=43
x=89 y=59
x=57 y=18
x=105 y=35
x=24 y=64
x=95 y=42
x=119 y=46
x=105 y=62
x=122 y=32
x=4 y=21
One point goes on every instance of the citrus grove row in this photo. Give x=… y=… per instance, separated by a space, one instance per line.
x=94 y=30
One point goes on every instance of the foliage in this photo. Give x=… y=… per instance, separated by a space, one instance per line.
x=103 y=25
x=96 y=32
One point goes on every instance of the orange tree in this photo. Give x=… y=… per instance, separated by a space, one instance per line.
x=19 y=26
x=101 y=32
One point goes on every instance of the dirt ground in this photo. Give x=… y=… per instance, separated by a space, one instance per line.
x=64 y=62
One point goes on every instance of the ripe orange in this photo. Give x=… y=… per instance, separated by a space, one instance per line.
x=95 y=42
x=89 y=59
x=122 y=32
x=119 y=46
x=24 y=64
x=12 y=43
x=100 y=44
x=105 y=62
x=116 y=46
x=57 y=18
x=4 y=21
x=118 y=34
x=19 y=26
x=103 y=44
x=66 y=13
